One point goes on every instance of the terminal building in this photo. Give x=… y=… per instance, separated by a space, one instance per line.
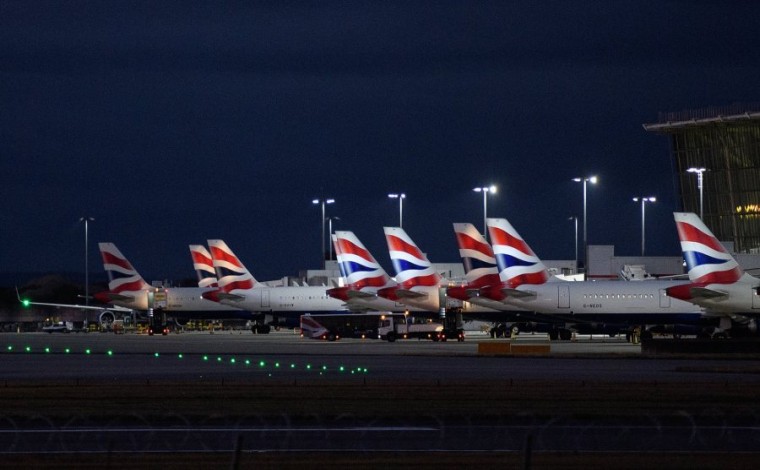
x=718 y=147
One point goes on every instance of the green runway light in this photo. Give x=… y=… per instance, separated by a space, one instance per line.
x=292 y=366
x=67 y=350
x=248 y=362
x=308 y=366
x=276 y=365
x=10 y=348
x=218 y=359
x=341 y=368
x=205 y=358
x=155 y=354
x=47 y=349
x=262 y=363
x=324 y=367
x=87 y=351
x=232 y=360
x=109 y=352
x=180 y=355
x=28 y=349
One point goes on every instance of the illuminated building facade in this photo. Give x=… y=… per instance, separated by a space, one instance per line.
x=725 y=142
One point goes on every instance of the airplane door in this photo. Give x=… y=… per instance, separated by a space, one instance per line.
x=563 y=296
x=755 y=299
x=664 y=299
x=265 y=298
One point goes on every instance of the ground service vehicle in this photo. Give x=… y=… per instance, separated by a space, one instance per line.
x=376 y=325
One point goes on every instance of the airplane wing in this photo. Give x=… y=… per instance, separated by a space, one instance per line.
x=113 y=297
x=27 y=302
x=705 y=293
x=516 y=293
x=409 y=294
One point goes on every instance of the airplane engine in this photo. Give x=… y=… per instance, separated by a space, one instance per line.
x=181 y=321
x=106 y=319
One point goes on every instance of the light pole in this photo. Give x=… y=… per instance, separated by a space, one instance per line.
x=699 y=172
x=400 y=197
x=329 y=230
x=485 y=190
x=575 y=219
x=323 y=202
x=592 y=180
x=86 y=221
x=643 y=200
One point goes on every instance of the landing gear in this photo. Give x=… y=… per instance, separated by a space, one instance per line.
x=261 y=329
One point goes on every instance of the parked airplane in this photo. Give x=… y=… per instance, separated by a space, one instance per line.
x=238 y=287
x=127 y=288
x=526 y=283
x=363 y=277
x=717 y=280
x=418 y=283
x=481 y=272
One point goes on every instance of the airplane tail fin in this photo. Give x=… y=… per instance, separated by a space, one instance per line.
x=204 y=266
x=477 y=256
x=517 y=263
x=411 y=265
x=230 y=271
x=357 y=265
x=707 y=261
x=122 y=276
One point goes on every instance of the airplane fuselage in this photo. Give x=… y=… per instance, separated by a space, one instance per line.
x=642 y=302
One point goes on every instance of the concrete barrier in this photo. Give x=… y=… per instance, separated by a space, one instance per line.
x=531 y=349
x=494 y=348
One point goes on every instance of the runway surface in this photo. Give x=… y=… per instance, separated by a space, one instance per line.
x=434 y=396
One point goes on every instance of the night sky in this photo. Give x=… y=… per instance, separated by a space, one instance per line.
x=173 y=122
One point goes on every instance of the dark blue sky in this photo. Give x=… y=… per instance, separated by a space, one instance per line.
x=173 y=122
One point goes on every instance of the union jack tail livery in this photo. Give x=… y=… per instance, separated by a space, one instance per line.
x=411 y=265
x=232 y=275
x=477 y=256
x=122 y=276
x=707 y=260
x=204 y=266
x=517 y=263
x=357 y=265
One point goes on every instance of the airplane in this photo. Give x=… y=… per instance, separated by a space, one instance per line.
x=238 y=288
x=481 y=272
x=106 y=313
x=526 y=283
x=363 y=276
x=717 y=280
x=126 y=288
x=418 y=283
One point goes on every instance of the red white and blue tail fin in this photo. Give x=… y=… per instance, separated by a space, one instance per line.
x=517 y=263
x=122 y=276
x=357 y=265
x=477 y=256
x=230 y=271
x=411 y=265
x=707 y=261
x=204 y=266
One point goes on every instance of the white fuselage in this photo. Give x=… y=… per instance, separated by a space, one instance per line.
x=608 y=301
x=305 y=299
x=177 y=299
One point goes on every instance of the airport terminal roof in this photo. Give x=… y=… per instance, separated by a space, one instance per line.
x=669 y=122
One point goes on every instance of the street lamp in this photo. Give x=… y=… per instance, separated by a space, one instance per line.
x=323 y=202
x=400 y=197
x=86 y=221
x=485 y=190
x=575 y=219
x=643 y=200
x=329 y=230
x=592 y=180
x=699 y=172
